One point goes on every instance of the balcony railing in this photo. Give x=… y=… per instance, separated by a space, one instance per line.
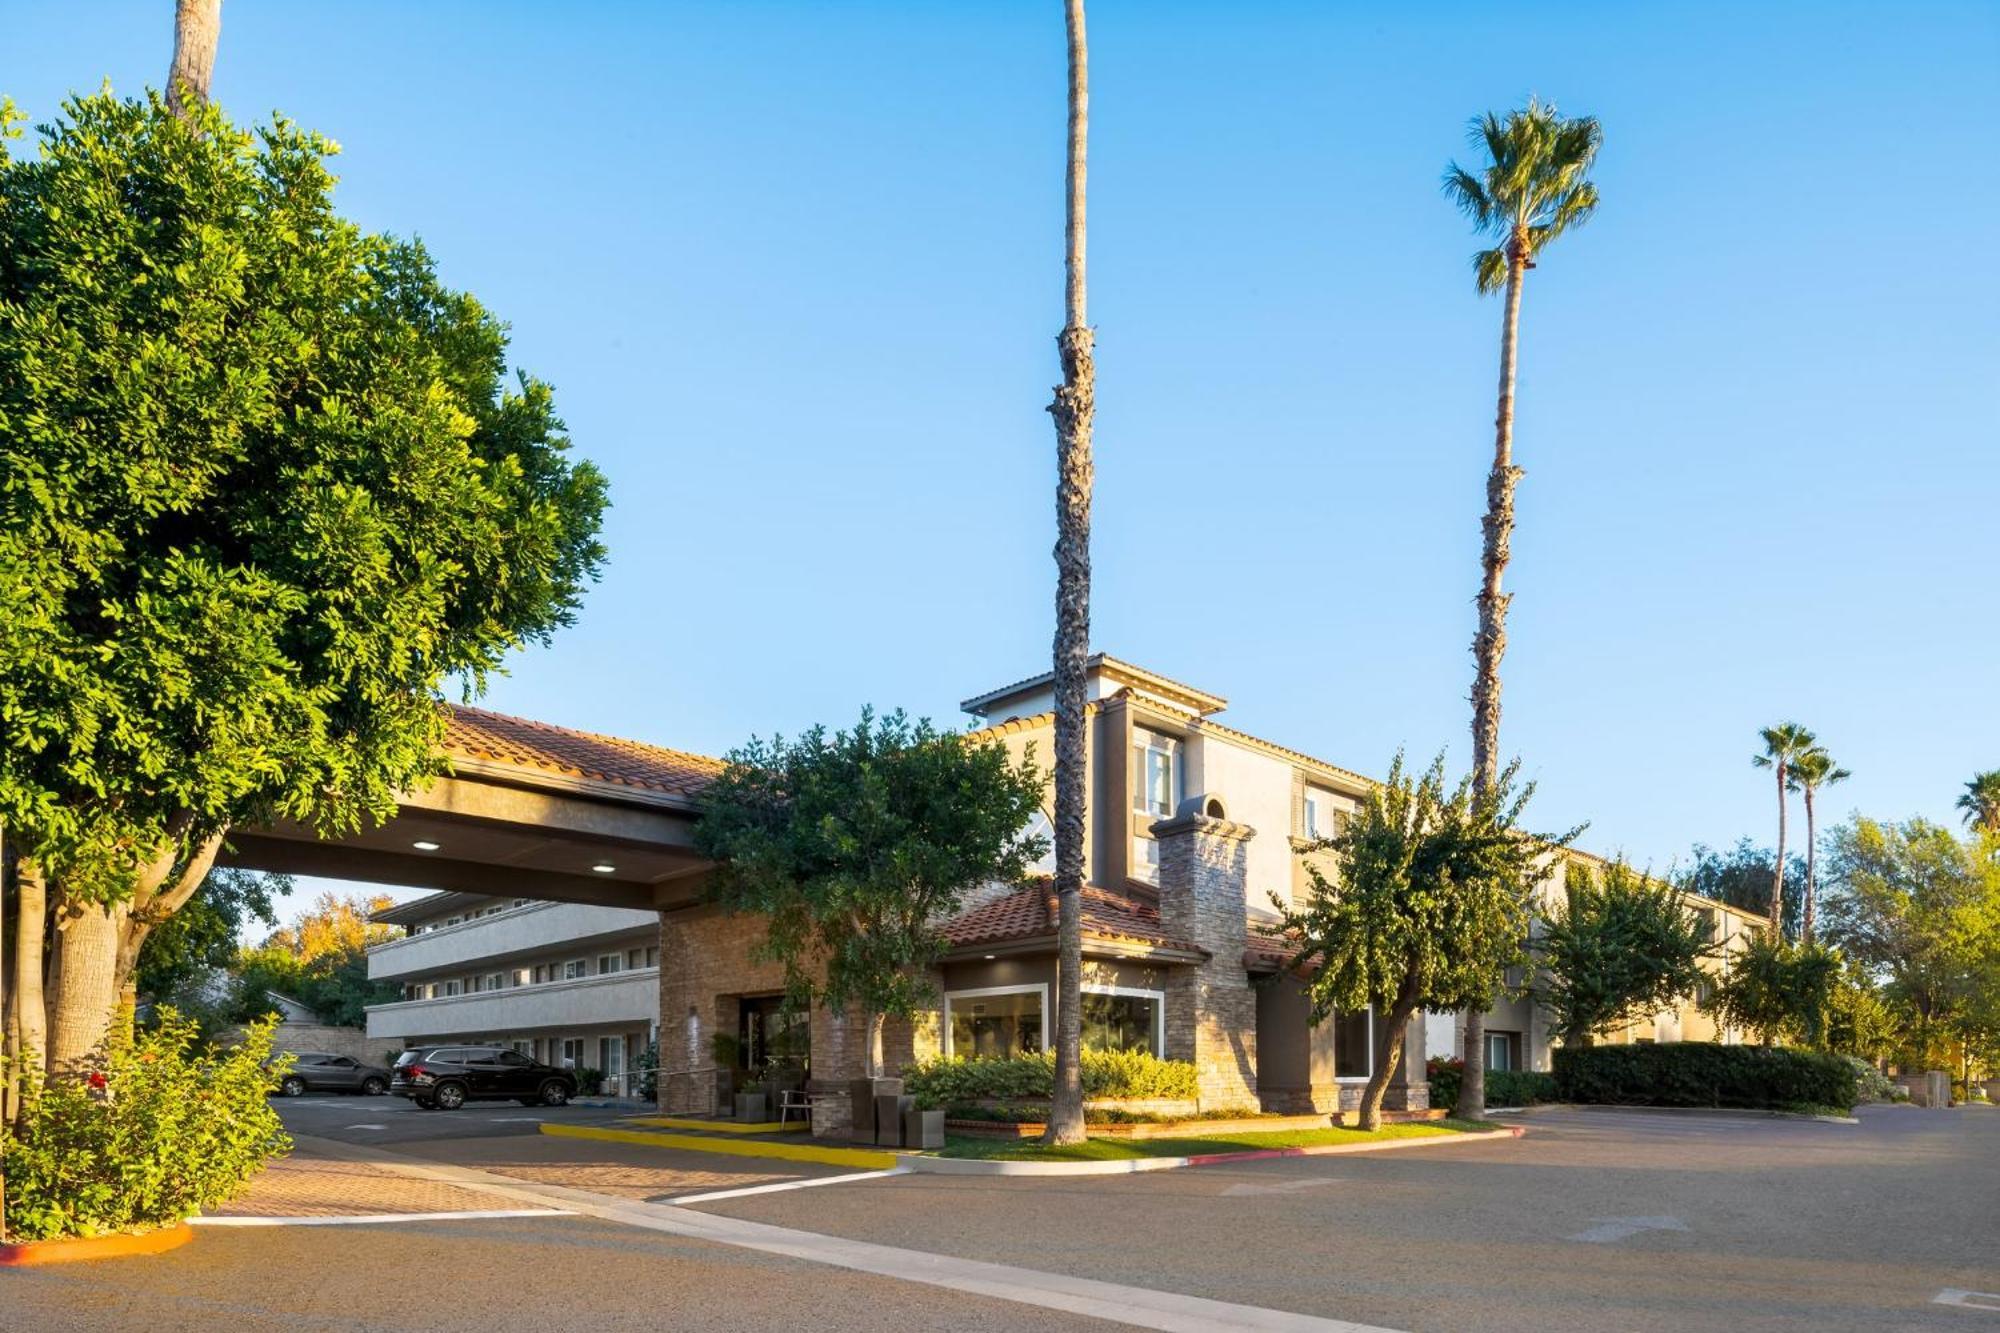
x=631 y=996
x=519 y=932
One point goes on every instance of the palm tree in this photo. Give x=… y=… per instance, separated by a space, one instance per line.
x=1532 y=187
x=1073 y=409
x=197 y=26
x=1810 y=771
x=1981 y=801
x=1783 y=744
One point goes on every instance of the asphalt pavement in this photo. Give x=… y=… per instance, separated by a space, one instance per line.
x=1596 y=1220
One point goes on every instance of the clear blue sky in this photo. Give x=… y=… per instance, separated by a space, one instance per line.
x=794 y=271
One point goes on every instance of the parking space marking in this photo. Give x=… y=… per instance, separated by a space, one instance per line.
x=1610 y=1229
x=782 y=1185
x=1968 y=1300
x=367 y=1126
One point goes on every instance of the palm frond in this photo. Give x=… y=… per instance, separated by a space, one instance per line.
x=1464 y=189
x=1489 y=270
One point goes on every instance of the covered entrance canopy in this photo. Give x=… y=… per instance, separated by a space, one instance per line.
x=529 y=811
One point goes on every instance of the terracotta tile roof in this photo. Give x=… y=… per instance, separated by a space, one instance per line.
x=1268 y=953
x=1030 y=913
x=475 y=733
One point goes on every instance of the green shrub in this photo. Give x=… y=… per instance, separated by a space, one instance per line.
x=1870 y=1083
x=589 y=1081
x=1504 y=1087
x=165 y=1128
x=1138 y=1075
x=1699 y=1073
x=1035 y=1113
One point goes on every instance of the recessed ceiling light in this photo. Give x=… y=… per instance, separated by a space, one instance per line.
x=425 y=845
x=604 y=867
x=991 y=957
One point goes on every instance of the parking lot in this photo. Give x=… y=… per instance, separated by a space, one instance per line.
x=1594 y=1220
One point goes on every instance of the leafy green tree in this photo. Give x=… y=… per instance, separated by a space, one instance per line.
x=266 y=487
x=1860 y=1021
x=1811 y=771
x=1533 y=184
x=1779 y=990
x=1981 y=801
x=1741 y=877
x=1783 y=744
x=1920 y=907
x=1427 y=904
x=1616 y=948
x=203 y=936
x=856 y=845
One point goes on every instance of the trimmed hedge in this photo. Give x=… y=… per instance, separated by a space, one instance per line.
x=1504 y=1087
x=1701 y=1073
x=1132 y=1074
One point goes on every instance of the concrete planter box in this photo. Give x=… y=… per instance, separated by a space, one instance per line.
x=890 y=1108
x=923 y=1130
x=751 y=1108
x=861 y=1095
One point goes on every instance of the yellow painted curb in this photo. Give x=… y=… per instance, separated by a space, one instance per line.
x=862 y=1158
x=69 y=1249
x=719 y=1126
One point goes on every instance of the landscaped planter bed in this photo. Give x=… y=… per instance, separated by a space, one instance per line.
x=1028 y=1129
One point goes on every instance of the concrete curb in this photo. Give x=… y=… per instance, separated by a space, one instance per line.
x=972 y=1166
x=1727 y=1112
x=32 y=1253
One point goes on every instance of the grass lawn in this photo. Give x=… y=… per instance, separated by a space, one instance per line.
x=1105 y=1150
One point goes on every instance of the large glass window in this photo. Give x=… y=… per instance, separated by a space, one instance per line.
x=1503 y=1050
x=1354 y=1043
x=1114 y=1022
x=1156 y=772
x=989 y=1024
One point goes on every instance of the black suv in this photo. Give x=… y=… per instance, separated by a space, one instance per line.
x=447 y=1077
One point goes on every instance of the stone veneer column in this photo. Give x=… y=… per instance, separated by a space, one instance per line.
x=1211 y=1010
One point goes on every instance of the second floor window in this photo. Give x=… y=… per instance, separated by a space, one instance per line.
x=1156 y=773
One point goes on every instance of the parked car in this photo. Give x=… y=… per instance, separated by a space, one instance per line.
x=447 y=1077
x=320 y=1071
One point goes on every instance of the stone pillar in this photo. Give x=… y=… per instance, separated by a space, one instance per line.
x=687 y=1061
x=1211 y=1009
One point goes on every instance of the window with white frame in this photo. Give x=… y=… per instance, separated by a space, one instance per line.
x=493 y=981
x=453 y=987
x=995 y=1021
x=576 y=967
x=1156 y=773
x=1353 y=1043
x=522 y=976
x=572 y=1052
x=610 y=962
x=1117 y=1018
x=1145 y=859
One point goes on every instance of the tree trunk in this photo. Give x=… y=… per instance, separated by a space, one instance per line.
x=1073 y=409
x=85 y=999
x=27 y=1010
x=197 y=27
x=1490 y=644
x=1812 y=867
x=1778 y=875
x=1392 y=1059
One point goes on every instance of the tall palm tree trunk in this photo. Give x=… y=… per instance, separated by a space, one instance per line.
x=1778 y=874
x=197 y=28
x=1073 y=408
x=1490 y=644
x=1812 y=867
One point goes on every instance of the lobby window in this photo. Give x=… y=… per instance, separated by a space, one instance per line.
x=1354 y=1043
x=987 y=1024
x=1123 y=1020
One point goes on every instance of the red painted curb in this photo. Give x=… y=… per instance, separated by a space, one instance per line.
x=74 y=1248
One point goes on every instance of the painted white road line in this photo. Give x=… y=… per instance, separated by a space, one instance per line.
x=1610 y=1229
x=375 y=1219
x=517 y=1120
x=1139 y=1307
x=782 y=1185
x=1968 y=1300
x=1282 y=1187
x=367 y=1126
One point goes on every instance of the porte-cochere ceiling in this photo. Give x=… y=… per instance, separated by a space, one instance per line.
x=530 y=810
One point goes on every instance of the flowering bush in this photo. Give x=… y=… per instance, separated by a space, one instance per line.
x=1137 y=1075
x=162 y=1129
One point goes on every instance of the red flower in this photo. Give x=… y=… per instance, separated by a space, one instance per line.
x=97 y=1080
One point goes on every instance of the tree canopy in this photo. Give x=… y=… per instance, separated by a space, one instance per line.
x=1426 y=905
x=1533 y=185
x=857 y=845
x=1616 y=948
x=1741 y=877
x=264 y=486
x=203 y=936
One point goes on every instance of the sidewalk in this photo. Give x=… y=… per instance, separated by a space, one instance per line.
x=311 y=1183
